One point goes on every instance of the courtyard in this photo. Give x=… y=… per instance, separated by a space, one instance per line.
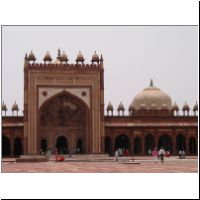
x=85 y=164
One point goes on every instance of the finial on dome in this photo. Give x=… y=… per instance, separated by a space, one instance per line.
x=95 y=58
x=26 y=57
x=80 y=58
x=59 y=52
x=151 y=82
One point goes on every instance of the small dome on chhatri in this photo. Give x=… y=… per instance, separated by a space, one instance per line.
x=151 y=98
x=131 y=107
x=31 y=56
x=4 y=106
x=175 y=107
x=64 y=56
x=110 y=106
x=121 y=106
x=15 y=107
x=80 y=57
x=186 y=107
x=195 y=107
x=95 y=57
x=47 y=57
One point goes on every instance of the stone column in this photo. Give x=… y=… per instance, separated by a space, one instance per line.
x=25 y=145
x=186 y=141
x=132 y=140
x=174 y=141
x=113 y=141
x=156 y=138
x=143 y=143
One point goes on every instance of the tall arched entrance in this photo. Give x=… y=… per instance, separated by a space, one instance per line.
x=180 y=143
x=108 y=145
x=123 y=142
x=62 y=145
x=5 y=146
x=137 y=145
x=165 y=141
x=149 y=143
x=192 y=146
x=67 y=114
x=18 y=147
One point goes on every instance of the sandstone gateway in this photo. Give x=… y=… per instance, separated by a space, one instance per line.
x=64 y=110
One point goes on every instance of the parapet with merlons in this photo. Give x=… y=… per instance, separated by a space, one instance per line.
x=61 y=62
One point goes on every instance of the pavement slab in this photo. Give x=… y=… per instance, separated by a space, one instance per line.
x=124 y=165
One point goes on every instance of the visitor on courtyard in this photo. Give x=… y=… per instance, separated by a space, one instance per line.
x=126 y=152
x=149 y=152
x=161 y=154
x=49 y=151
x=155 y=154
x=56 y=151
x=183 y=154
x=117 y=155
x=180 y=154
x=78 y=151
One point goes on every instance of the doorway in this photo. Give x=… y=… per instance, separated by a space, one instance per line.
x=62 y=145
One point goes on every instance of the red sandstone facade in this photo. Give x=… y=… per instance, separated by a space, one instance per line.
x=64 y=110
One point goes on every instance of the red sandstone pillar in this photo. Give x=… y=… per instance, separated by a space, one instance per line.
x=142 y=143
x=174 y=142
x=156 y=138
x=132 y=141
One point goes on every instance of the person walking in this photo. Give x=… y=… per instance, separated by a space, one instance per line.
x=155 y=154
x=161 y=154
x=126 y=152
x=180 y=154
x=116 y=155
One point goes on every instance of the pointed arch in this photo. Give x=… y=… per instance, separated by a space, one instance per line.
x=65 y=113
x=6 y=149
x=61 y=107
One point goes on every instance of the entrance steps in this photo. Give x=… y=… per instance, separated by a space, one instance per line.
x=32 y=158
x=84 y=157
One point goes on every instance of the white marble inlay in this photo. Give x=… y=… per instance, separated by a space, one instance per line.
x=53 y=91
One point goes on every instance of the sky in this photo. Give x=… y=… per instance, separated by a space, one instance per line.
x=132 y=56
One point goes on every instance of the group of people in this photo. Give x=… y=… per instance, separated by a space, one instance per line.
x=158 y=154
x=121 y=152
x=161 y=153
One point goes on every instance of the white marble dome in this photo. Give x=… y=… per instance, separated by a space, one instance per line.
x=153 y=98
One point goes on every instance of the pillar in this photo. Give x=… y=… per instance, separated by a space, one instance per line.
x=156 y=137
x=132 y=140
x=142 y=143
x=174 y=141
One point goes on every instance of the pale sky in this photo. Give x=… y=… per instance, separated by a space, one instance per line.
x=132 y=56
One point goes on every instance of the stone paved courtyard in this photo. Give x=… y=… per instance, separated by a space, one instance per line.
x=125 y=165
